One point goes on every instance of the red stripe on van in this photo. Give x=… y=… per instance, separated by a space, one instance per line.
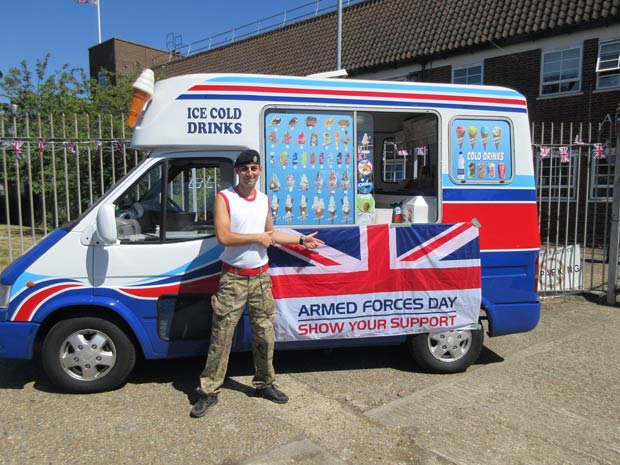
x=32 y=303
x=504 y=225
x=356 y=93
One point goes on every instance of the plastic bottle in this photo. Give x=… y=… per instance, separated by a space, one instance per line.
x=460 y=171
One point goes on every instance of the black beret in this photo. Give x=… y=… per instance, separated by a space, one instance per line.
x=248 y=157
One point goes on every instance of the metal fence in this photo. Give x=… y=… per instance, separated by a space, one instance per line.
x=55 y=168
x=177 y=49
x=52 y=170
x=574 y=166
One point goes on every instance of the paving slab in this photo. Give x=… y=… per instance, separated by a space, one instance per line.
x=552 y=402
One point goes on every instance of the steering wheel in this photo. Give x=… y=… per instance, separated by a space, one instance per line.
x=133 y=212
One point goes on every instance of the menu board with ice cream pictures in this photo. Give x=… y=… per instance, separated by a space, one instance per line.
x=481 y=151
x=309 y=167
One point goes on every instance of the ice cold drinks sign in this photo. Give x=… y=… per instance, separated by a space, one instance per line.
x=214 y=120
x=481 y=151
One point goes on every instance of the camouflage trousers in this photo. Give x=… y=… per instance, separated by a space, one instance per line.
x=233 y=294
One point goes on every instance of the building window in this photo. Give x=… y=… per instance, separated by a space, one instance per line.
x=102 y=79
x=608 y=65
x=557 y=180
x=561 y=72
x=467 y=75
x=602 y=180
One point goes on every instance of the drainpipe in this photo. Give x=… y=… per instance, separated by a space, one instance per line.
x=339 y=48
x=614 y=236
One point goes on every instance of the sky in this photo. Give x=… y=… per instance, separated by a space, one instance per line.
x=67 y=29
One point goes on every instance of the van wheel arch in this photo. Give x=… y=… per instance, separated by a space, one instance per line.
x=59 y=329
x=91 y=312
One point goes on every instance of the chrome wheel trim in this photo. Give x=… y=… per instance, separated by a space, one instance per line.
x=87 y=355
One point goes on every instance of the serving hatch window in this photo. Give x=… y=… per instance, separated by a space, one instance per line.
x=339 y=167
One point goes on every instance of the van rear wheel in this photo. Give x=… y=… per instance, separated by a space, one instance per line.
x=85 y=355
x=448 y=351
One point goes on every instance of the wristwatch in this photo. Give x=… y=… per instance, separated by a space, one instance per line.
x=301 y=240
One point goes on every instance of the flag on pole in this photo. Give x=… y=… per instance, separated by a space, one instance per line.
x=96 y=3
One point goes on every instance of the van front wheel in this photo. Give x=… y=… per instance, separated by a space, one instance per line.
x=447 y=351
x=84 y=355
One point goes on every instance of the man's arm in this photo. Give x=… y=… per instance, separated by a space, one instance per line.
x=279 y=237
x=228 y=238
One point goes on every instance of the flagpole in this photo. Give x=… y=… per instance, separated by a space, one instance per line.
x=99 y=18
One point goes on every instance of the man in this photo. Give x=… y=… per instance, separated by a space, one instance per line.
x=245 y=229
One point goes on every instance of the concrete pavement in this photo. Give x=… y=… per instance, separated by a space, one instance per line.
x=549 y=396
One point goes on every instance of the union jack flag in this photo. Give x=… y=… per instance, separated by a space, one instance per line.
x=72 y=148
x=420 y=150
x=599 y=151
x=17 y=145
x=84 y=2
x=41 y=146
x=362 y=269
x=564 y=155
x=578 y=140
x=545 y=152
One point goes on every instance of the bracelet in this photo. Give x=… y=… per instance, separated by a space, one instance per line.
x=301 y=240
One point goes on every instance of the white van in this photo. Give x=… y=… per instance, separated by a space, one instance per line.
x=423 y=193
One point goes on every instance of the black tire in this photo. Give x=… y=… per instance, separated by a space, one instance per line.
x=446 y=352
x=84 y=355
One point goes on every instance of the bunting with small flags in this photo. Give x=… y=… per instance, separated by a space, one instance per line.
x=71 y=148
x=599 y=151
x=41 y=146
x=17 y=145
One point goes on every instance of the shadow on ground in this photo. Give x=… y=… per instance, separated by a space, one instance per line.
x=183 y=373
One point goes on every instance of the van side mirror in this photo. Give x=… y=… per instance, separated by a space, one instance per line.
x=106 y=224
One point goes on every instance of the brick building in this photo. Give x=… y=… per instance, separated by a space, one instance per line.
x=563 y=55
x=119 y=58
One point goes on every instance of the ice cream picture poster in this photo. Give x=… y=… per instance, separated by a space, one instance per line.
x=309 y=168
x=481 y=150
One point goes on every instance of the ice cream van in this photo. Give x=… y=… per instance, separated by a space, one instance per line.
x=423 y=193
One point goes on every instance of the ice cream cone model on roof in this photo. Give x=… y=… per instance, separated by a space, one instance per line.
x=143 y=89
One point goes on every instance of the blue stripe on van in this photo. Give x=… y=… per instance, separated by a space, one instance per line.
x=348 y=101
x=520 y=181
x=360 y=84
x=489 y=195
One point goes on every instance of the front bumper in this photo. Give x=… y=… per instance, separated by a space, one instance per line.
x=17 y=339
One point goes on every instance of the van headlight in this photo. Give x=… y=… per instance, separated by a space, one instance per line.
x=5 y=292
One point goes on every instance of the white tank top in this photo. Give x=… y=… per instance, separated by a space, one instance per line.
x=247 y=216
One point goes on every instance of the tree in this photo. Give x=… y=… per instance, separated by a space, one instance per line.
x=77 y=118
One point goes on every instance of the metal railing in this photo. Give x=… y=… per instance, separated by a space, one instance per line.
x=176 y=49
x=54 y=169
x=574 y=165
